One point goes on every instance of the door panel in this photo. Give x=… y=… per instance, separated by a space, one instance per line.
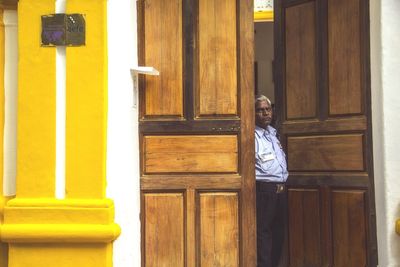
x=162 y=47
x=325 y=125
x=345 y=91
x=164 y=228
x=300 y=61
x=349 y=229
x=197 y=133
x=185 y=154
x=217 y=88
x=326 y=153
x=304 y=227
x=219 y=229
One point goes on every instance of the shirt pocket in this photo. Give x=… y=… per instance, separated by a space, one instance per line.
x=266 y=159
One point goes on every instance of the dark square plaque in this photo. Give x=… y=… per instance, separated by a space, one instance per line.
x=53 y=30
x=76 y=29
x=63 y=30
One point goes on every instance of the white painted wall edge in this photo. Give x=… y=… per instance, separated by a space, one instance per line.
x=390 y=43
x=377 y=131
x=123 y=180
x=10 y=19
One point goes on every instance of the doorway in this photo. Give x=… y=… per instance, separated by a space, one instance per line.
x=196 y=131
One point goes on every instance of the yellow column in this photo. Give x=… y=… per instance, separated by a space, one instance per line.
x=3 y=247
x=36 y=103
x=87 y=104
x=79 y=230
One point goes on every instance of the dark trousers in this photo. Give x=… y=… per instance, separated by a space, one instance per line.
x=271 y=223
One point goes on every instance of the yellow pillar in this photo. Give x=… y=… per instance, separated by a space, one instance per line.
x=87 y=104
x=79 y=230
x=36 y=104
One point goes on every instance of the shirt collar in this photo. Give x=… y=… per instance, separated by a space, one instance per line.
x=260 y=131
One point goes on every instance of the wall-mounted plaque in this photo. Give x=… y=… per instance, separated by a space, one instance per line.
x=63 y=30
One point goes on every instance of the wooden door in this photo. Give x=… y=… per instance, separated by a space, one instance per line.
x=197 y=133
x=323 y=98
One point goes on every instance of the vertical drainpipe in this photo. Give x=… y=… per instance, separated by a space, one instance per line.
x=8 y=113
x=3 y=246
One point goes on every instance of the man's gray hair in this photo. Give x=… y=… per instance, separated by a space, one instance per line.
x=261 y=98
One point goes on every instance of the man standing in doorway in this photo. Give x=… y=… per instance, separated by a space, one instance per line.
x=271 y=175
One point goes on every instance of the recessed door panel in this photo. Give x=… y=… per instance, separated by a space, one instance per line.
x=301 y=83
x=349 y=229
x=304 y=227
x=326 y=153
x=186 y=154
x=164 y=229
x=219 y=229
x=345 y=88
x=162 y=38
x=217 y=69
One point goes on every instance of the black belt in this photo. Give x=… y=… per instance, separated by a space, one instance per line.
x=270 y=186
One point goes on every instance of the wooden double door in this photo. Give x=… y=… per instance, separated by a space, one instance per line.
x=197 y=132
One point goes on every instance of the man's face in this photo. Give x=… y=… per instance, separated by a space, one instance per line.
x=263 y=114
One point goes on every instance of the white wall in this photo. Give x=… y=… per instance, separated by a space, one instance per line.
x=378 y=135
x=123 y=147
x=385 y=81
x=264 y=54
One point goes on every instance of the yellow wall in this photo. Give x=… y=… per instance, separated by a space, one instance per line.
x=79 y=230
x=264 y=16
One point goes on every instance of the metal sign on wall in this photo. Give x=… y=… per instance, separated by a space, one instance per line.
x=63 y=30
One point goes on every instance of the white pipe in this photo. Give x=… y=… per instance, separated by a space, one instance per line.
x=60 y=111
x=10 y=19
